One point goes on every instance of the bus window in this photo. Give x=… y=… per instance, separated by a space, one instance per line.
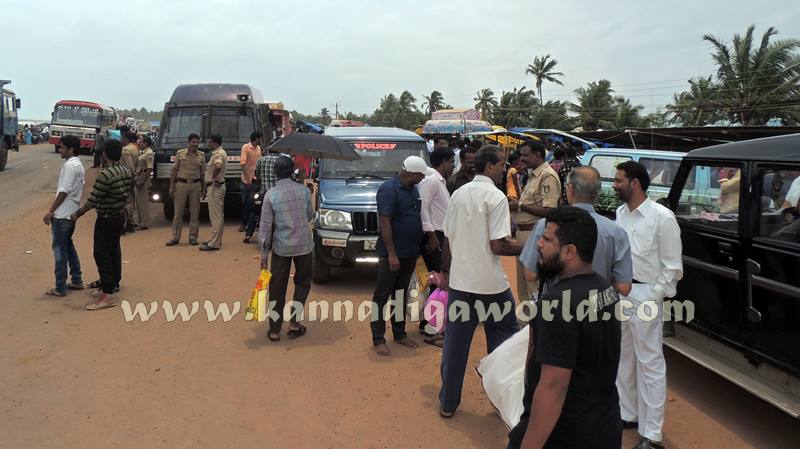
x=181 y=122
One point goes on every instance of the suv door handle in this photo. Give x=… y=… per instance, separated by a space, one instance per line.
x=751 y=267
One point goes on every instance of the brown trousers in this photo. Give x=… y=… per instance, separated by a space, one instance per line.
x=185 y=192
x=216 y=213
x=142 y=198
x=524 y=288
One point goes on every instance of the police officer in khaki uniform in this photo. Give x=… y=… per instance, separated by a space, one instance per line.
x=215 y=181
x=541 y=193
x=187 y=184
x=130 y=159
x=144 y=170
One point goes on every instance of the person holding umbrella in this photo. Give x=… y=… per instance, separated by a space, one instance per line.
x=284 y=230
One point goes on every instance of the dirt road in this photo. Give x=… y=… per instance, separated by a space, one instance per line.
x=76 y=379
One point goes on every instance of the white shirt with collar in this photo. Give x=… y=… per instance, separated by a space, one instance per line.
x=656 y=249
x=70 y=181
x=435 y=198
x=477 y=213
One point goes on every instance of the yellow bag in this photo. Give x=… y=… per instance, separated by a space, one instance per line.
x=421 y=270
x=257 y=306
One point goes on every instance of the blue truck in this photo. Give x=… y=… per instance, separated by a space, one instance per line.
x=9 y=125
x=346 y=223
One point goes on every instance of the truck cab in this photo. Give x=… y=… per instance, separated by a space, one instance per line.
x=741 y=260
x=231 y=110
x=346 y=224
x=9 y=123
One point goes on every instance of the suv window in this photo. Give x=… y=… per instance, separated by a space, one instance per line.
x=607 y=165
x=779 y=208
x=709 y=205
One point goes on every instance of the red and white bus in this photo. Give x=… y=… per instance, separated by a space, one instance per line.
x=82 y=119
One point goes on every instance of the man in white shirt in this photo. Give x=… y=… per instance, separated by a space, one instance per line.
x=67 y=202
x=435 y=198
x=656 y=248
x=793 y=195
x=477 y=229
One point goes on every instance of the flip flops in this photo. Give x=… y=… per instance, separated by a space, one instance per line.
x=54 y=292
x=101 y=304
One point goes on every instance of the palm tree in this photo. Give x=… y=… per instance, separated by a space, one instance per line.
x=626 y=114
x=697 y=106
x=433 y=102
x=325 y=116
x=552 y=114
x=754 y=80
x=542 y=70
x=485 y=102
x=595 y=105
x=515 y=108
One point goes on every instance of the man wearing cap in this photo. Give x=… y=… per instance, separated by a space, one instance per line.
x=284 y=230
x=400 y=222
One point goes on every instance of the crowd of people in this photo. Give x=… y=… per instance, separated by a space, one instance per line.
x=586 y=380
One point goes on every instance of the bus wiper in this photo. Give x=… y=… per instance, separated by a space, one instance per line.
x=363 y=175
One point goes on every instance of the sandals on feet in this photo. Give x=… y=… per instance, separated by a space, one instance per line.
x=274 y=336
x=434 y=340
x=299 y=332
x=54 y=292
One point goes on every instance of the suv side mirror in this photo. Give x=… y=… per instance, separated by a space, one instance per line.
x=18 y=103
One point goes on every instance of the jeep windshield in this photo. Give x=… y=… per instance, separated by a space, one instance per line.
x=234 y=124
x=378 y=159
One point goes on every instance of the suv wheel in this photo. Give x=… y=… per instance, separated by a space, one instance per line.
x=3 y=156
x=320 y=271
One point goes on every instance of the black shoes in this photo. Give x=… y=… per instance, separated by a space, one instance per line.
x=171 y=243
x=648 y=444
x=205 y=247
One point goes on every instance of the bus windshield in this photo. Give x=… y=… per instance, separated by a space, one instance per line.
x=65 y=114
x=382 y=159
x=233 y=124
x=181 y=122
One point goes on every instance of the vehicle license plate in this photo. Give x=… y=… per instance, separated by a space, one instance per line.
x=369 y=245
x=334 y=242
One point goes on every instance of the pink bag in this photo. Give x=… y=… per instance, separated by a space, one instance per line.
x=435 y=311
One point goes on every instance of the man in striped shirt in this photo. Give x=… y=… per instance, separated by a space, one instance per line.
x=110 y=193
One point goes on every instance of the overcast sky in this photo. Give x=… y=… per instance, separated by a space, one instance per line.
x=313 y=54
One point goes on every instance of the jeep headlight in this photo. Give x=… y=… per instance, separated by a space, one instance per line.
x=335 y=219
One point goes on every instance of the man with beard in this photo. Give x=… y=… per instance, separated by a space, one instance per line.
x=657 y=267
x=570 y=399
x=477 y=229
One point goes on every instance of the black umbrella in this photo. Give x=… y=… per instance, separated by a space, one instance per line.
x=316 y=146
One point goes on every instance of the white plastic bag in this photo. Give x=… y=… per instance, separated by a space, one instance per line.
x=503 y=376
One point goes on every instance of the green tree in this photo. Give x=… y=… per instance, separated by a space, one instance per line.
x=515 y=108
x=754 y=81
x=552 y=115
x=542 y=70
x=626 y=115
x=325 y=117
x=697 y=106
x=594 y=107
x=401 y=111
x=433 y=102
x=485 y=102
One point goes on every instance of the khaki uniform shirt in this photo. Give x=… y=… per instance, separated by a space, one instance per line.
x=187 y=166
x=542 y=190
x=144 y=166
x=130 y=157
x=218 y=156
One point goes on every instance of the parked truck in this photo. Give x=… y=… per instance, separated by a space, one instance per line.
x=9 y=124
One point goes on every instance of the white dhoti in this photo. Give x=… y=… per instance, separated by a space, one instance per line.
x=642 y=376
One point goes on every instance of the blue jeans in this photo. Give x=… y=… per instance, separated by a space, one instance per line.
x=458 y=339
x=64 y=253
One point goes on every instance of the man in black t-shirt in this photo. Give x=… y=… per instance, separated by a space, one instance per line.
x=571 y=397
